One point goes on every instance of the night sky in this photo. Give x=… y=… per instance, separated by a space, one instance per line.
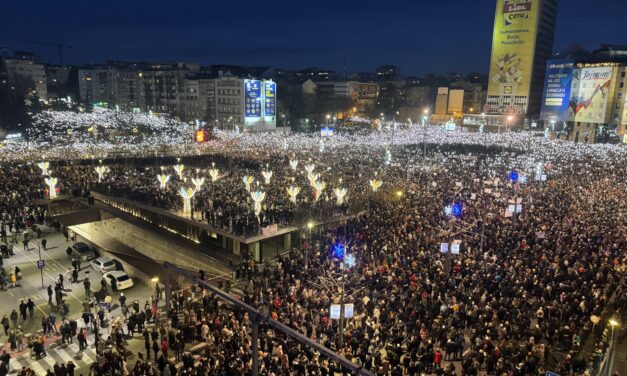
x=420 y=36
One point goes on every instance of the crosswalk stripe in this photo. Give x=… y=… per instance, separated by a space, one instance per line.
x=89 y=356
x=74 y=347
x=35 y=366
x=48 y=358
x=64 y=355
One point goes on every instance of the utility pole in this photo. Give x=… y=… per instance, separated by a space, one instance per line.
x=41 y=269
x=342 y=315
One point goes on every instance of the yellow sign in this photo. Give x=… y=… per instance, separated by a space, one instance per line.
x=513 y=45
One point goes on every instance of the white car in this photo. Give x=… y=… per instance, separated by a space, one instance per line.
x=123 y=281
x=103 y=265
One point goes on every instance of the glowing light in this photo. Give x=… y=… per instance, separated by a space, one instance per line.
x=214 y=174
x=198 y=182
x=248 y=180
x=339 y=250
x=349 y=261
x=179 y=170
x=101 y=170
x=309 y=168
x=456 y=209
x=163 y=180
x=319 y=186
x=375 y=184
x=52 y=189
x=293 y=191
x=513 y=176
x=340 y=194
x=313 y=178
x=267 y=175
x=44 y=167
x=293 y=164
x=187 y=195
x=258 y=198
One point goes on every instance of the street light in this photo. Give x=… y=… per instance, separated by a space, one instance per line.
x=425 y=118
x=610 y=361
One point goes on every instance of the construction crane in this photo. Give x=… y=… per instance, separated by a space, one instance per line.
x=59 y=46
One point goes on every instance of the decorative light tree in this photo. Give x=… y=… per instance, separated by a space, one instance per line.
x=214 y=174
x=293 y=191
x=101 y=170
x=258 y=198
x=52 y=187
x=375 y=184
x=319 y=186
x=313 y=178
x=44 y=167
x=294 y=164
x=198 y=182
x=163 y=180
x=187 y=195
x=179 y=170
x=248 y=180
x=309 y=168
x=267 y=175
x=340 y=194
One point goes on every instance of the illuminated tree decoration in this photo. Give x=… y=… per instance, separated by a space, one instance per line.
x=179 y=170
x=258 y=198
x=293 y=191
x=101 y=170
x=44 y=167
x=319 y=186
x=340 y=194
x=312 y=179
x=294 y=164
x=187 y=195
x=375 y=184
x=349 y=261
x=456 y=209
x=52 y=187
x=214 y=174
x=339 y=250
x=309 y=168
x=267 y=175
x=248 y=180
x=198 y=182
x=163 y=180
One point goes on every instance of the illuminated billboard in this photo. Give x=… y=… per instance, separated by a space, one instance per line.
x=270 y=98
x=252 y=98
x=590 y=95
x=557 y=89
x=513 y=47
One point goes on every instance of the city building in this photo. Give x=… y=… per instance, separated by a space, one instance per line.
x=522 y=43
x=388 y=72
x=344 y=96
x=585 y=95
x=24 y=76
x=441 y=101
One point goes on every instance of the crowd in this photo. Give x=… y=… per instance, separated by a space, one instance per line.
x=517 y=299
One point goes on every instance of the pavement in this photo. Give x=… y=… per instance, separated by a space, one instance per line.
x=56 y=262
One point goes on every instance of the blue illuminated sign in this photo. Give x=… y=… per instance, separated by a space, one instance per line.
x=252 y=98
x=513 y=176
x=338 y=250
x=557 y=88
x=270 y=98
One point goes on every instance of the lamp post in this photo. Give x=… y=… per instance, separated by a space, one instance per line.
x=485 y=130
x=425 y=118
x=41 y=269
x=612 y=351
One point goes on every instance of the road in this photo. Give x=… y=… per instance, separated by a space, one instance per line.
x=56 y=262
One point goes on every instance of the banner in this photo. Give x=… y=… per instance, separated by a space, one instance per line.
x=270 y=98
x=252 y=98
x=557 y=85
x=513 y=46
x=590 y=95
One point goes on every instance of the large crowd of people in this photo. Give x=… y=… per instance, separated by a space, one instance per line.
x=540 y=227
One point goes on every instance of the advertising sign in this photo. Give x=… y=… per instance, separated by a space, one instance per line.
x=443 y=247
x=556 y=95
x=252 y=98
x=334 y=312
x=590 y=95
x=270 y=98
x=513 y=45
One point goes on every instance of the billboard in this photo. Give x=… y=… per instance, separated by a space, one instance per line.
x=270 y=98
x=590 y=95
x=557 y=85
x=252 y=98
x=513 y=46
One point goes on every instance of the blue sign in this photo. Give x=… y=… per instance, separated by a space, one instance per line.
x=457 y=209
x=270 y=98
x=252 y=98
x=339 y=250
x=549 y=373
x=513 y=176
x=41 y=264
x=557 y=87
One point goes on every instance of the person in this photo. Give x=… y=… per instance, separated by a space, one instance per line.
x=49 y=294
x=87 y=286
x=122 y=300
x=14 y=317
x=31 y=307
x=44 y=242
x=74 y=275
x=5 y=324
x=114 y=286
x=155 y=348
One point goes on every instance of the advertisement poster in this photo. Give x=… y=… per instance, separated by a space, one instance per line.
x=590 y=94
x=270 y=98
x=513 y=45
x=252 y=98
x=556 y=95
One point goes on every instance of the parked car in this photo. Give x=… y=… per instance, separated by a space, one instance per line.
x=123 y=281
x=83 y=251
x=103 y=264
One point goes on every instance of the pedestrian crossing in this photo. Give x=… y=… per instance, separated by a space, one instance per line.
x=57 y=354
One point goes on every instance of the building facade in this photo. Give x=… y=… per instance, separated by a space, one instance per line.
x=521 y=45
x=24 y=76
